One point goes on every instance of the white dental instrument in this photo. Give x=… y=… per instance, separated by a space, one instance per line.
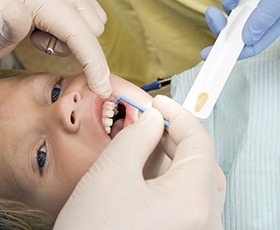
x=219 y=63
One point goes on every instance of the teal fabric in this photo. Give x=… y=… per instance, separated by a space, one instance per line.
x=245 y=128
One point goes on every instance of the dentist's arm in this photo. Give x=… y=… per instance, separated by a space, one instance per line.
x=114 y=194
x=260 y=31
x=76 y=23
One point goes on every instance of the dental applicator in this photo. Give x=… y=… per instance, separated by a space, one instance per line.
x=139 y=107
x=219 y=63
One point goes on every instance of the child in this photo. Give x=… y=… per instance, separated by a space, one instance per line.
x=53 y=129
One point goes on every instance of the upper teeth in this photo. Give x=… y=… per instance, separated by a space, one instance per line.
x=108 y=111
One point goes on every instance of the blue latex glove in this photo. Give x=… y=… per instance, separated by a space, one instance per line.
x=261 y=29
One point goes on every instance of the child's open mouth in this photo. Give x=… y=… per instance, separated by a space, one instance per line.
x=117 y=117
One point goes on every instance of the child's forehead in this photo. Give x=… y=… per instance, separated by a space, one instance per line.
x=16 y=90
x=13 y=79
x=10 y=86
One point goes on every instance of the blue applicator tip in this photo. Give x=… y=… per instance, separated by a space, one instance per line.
x=139 y=107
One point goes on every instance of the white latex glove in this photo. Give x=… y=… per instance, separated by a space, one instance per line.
x=15 y=23
x=76 y=23
x=114 y=194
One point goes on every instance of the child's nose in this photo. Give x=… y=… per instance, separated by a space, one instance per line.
x=67 y=111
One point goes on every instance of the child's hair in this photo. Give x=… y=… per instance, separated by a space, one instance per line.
x=9 y=73
x=15 y=215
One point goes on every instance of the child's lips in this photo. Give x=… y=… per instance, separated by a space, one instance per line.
x=117 y=117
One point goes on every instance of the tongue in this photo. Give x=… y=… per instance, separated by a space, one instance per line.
x=118 y=126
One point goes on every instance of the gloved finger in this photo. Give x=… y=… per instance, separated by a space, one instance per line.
x=91 y=57
x=267 y=39
x=193 y=168
x=205 y=52
x=215 y=20
x=229 y=5
x=41 y=39
x=168 y=145
x=92 y=14
x=100 y=12
x=78 y=36
x=186 y=131
x=15 y=24
x=134 y=144
x=262 y=18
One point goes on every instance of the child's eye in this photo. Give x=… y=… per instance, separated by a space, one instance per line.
x=41 y=158
x=56 y=90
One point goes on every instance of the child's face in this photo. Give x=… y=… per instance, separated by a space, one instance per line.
x=51 y=133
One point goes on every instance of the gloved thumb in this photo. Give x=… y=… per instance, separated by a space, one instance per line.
x=133 y=145
x=215 y=20
x=205 y=52
x=15 y=24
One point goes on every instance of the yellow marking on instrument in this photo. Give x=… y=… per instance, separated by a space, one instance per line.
x=202 y=98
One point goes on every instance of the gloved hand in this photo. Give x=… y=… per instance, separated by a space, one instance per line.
x=76 y=23
x=15 y=23
x=114 y=194
x=260 y=30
